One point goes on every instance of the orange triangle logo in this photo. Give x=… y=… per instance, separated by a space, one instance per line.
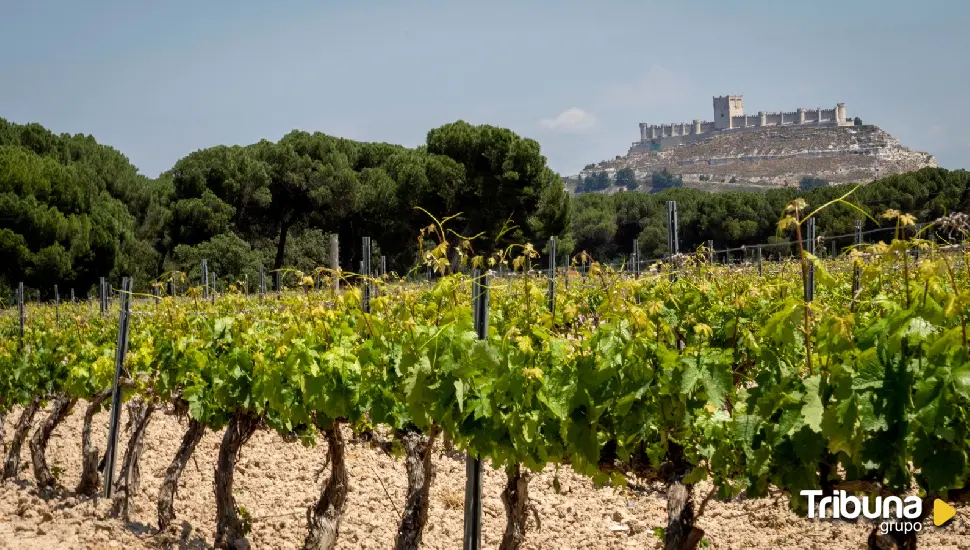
x=942 y=512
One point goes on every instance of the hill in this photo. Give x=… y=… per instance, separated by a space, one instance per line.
x=774 y=156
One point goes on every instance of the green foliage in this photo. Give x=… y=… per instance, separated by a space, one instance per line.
x=605 y=226
x=597 y=181
x=68 y=209
x=626 y=179
x=857 y=121
x=72 y=210
x=663 y=179
x=505 y=178
x=712 y=369
x=808 y=183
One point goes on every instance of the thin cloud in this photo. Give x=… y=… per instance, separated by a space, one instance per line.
x=573 y=120
x=659 y=87
x=937 y=130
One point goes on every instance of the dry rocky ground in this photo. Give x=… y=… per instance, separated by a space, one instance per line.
x=277 y=481
x=777 y=157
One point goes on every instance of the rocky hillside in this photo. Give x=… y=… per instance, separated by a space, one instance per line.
x=777 y=156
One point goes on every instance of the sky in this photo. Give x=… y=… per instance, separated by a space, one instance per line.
x=159 y=80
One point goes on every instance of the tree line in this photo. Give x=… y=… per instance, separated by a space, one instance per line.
x=73 y=210
x=626 y=179
x=605 y=226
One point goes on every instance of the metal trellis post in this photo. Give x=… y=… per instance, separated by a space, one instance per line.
x=335 y=260
x=473 y=466
x=205 y=279
x=810 y=283
x=20 y=311
x=102 y=299
x=857 y=271
x=673 y=244
x=552 y=277
x=124 y=316
x=365 y=271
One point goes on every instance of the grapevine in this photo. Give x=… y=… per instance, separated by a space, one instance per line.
x=720 y=375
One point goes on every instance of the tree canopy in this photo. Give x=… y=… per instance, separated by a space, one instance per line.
x=605 y=226
x=73 y=210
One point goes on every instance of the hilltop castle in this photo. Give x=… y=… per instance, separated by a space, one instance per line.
x=729 y=117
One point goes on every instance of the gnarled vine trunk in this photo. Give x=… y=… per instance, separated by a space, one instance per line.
x=140 y=413
x=38 y=443
x=894 y=540
x=417 y=449
x=11 y=468
x=681 y=534
x=891 y=540
x=230 y=531
x=515 y=497
x=323 y=520
x=88 y=486
x=166 y=494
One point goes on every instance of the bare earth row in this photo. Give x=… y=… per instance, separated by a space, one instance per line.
x=276 y=482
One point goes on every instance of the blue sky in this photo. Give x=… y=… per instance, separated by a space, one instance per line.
x=159 y=80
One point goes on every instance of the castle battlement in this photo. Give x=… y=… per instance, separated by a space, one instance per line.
x=729 y=117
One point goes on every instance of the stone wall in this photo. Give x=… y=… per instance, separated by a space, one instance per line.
x=729 y=117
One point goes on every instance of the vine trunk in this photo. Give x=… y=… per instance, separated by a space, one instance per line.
x=323 y=520
x=38 y=443
x=515 y=497
x=230 y=530
x=417 y=448
x=12 y=465
x=140 y=413
x=166 y=494
x=88 y=485
x=681 y=534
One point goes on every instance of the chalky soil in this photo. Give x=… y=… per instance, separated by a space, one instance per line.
x=276 y=482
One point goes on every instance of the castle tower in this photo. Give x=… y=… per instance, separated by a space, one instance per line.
x=725 y=108
x=840 y=114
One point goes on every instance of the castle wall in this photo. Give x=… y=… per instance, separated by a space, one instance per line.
x=729 y=117
x=668 y=141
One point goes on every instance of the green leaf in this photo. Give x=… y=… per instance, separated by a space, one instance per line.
x=961 y=381
x=460 y=395
x=812 y=409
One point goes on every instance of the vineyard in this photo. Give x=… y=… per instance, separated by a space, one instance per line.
x=715 y=383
